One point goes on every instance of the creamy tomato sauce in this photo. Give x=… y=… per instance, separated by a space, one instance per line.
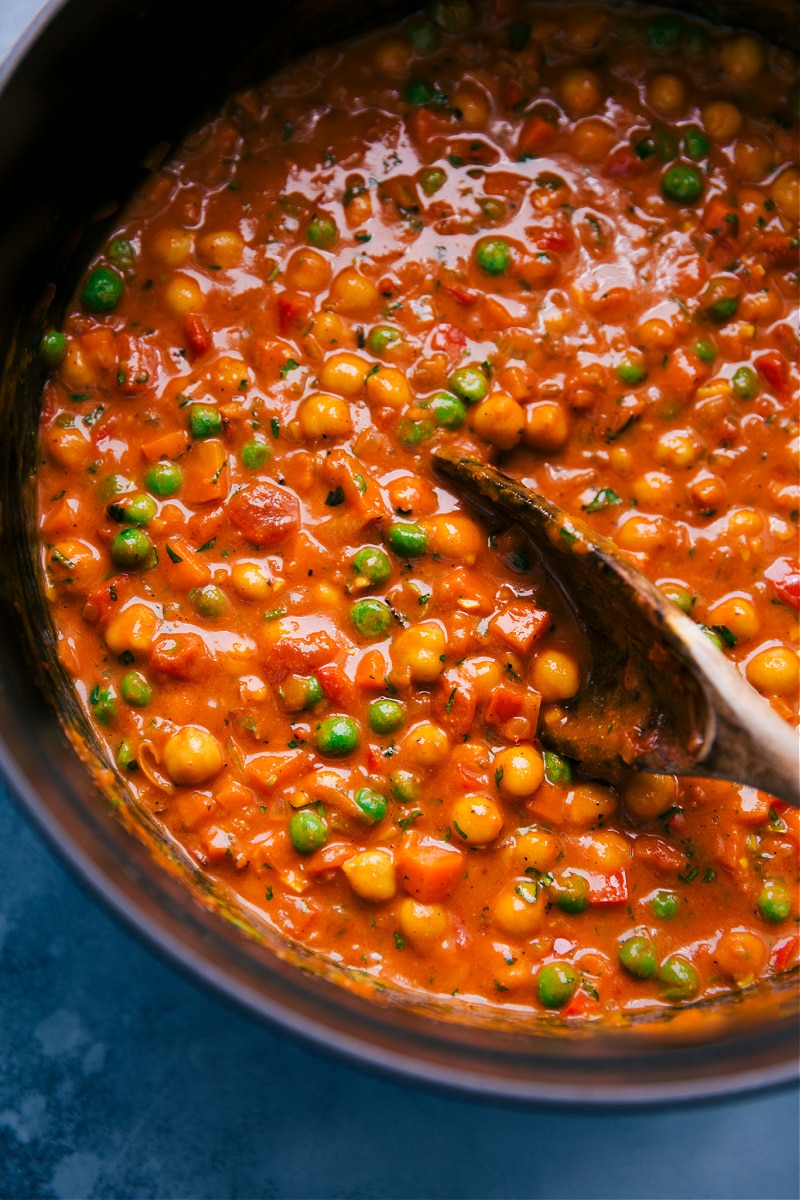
x=563 y=239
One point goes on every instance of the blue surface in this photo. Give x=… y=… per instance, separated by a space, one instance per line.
x=119 y=1078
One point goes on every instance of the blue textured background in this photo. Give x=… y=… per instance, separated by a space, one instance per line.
x=118 y=1078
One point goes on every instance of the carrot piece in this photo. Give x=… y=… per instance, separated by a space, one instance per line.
x=193 y=807
x=715 y=218
x=181 y=656
x=60 y=517
x=184 y=567
x=535 y=137
x=206 y=472
x=371 y=672
x=520 y=625
x=361 y=493
x=548 y=805
x=338 y=688
x=658 y=853
x=233 y=795
x=428 y=869
x=266 y=771
x=168 y=445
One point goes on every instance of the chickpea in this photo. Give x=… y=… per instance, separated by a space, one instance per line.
x=741 y=955
x=592 y=139
x=677 y=448
x=589 y=804
x=423 y=925
x=654 y=487
x=746 y=522
x=585 y=27
x=75 y=560
x=420 y=649
x=250 y=581
x=172 y=246
x=708 y=492
x=182 y=295
x=193 y=756
x=343 y=373
x=485 y=674
x=388 y=387
x=580 y=91
x=499 y=420
x=518 y=772
x=308 y=271
x=76 y=372
x=785 y=191
x=537 y=849
x=133 y=630
x=70 y=446
x=426 y=745
x=455 y=536
x=752 y=155
x=739 y=614
x=605 y=851
x=519 y=910
x=412 y=496
x=352 y=293
x=667 y=94
x=372 y=875
x=230 y=376
x=621 y=460
x=648 y=796
x=546 y=426
x=641 y=534
x=555 y=675
x=222 y=248
x=324 y=416
x=392 y=57
x=476 y=819
x=656 y=334
x=329 y=329
x=743 y=58
x=472 y=104
x=774 y=671
x=723 y=120
x=762 y=307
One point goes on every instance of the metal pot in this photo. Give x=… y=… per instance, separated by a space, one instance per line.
x=94 y=86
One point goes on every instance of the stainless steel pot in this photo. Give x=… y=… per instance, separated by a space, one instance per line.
x=83 y=101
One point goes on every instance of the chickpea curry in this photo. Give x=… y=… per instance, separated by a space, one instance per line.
x=563 y=239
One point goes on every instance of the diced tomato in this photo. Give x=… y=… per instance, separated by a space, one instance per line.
x=423 y=124
x=548 y=804
x=428 y=869
x=264 y=514
x=181 y=656
x=363 y=498
x=658 y=853
x=719 y=219
x=505 y=702
x=296 y=646
x=511 y=92
x=554 y=239
x=624 y=164
x=608 y=889
x=100 y=601
x=514 y=710
x=198 y=336
x=784 y=575
x=266 y=771
x=329 y=858
x=519 y=625
x=136 y=365
x=460 y=293
x=781 y=247
x=338 y=688
x=536 y=137
x=772 y=366
x=291 y=309
x=455 y=704
x=448 y=338
x=580 y=1005
x=784 y=953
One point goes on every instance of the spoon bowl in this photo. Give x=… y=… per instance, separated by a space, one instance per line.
x=660 y=696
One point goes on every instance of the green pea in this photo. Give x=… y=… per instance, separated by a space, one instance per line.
x=164 y=478
x=385 y=715
x=423 y=35
x=405 y=786
x=138 y=509
x=204 y=421
x=308 y=831
x=658 y=141
x=631 y=372
x=322 y=233
x=638 y=956
x=665 y=905
x=556 y=769
x=407 y=540
x=382 y=338
x=135 y=689
x=371 y=618
x=104 y=705
x=102 y=291
x=493 y=210
x=453 y=16
x=681 y=597
x=126 y=757
x=745 y=383
x=431 y=179
x=705 y=350
x=683 y=185
x=411 y=433
x=493 y=255
x=208 y=601
x=718 y=301
x=373 y=565
x=469 y=384
x=419 y=92
x=301 y=692
x=314 y=692
x=775 y=902
x=678 y=978
x=572 y=894
x=712 y=636
x=131 y=548
x=372 y=804
x=664 y=33
x=724 y=309
x=255 y=454
x=337 y=735
x=695 y=143
x=556 y=984
x=53 y=347
x=121 y=252
x=448 y=410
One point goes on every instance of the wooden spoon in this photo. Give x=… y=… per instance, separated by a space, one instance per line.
x=660 y=696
